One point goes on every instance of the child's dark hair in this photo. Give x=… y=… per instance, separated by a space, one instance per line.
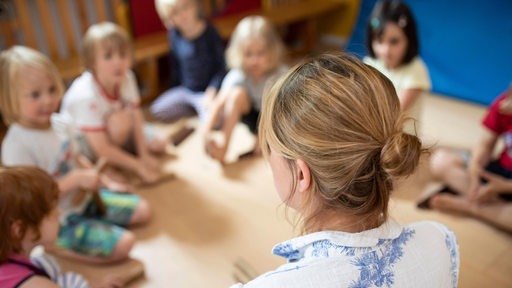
x=27 y=196
x=397 y=12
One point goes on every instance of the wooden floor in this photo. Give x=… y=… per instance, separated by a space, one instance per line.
x=210 y=216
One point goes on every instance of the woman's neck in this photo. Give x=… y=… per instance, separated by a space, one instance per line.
x=338 y=221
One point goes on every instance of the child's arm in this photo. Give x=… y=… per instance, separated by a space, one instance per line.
x=87 y=179
x=495 y=185
x=481 y=157
x=140 y=141
x=408 y=97
x=216 y=111
x=209 y=96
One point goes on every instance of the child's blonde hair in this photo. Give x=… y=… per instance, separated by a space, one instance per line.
x=27 y=196
x=254 y=27
x=164 y=8
x=12 y=61
x=343 y=119
x=110 y=36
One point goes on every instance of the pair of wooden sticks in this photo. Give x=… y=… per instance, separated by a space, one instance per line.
x=100 y=166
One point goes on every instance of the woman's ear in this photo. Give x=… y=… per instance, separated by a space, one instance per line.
x=303 y=175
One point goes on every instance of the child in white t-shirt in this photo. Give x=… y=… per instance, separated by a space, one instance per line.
x=104 y=104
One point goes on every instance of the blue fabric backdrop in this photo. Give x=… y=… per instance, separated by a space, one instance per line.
x=467 y=45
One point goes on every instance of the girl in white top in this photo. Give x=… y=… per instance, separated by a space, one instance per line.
x=331 y=129
x=393 y=48
x=104 y=104
x=255 y=57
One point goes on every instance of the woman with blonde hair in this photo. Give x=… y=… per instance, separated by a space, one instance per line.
x=331 y=129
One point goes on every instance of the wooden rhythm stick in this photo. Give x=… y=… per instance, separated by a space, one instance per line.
x=100 y=166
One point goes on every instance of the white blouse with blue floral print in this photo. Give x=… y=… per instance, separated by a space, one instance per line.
x=421 y=254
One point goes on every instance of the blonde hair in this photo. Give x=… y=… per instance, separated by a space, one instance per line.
x=343 y=119
x=164 y=8
x=12 y=61
x=107 y=34
x=254 y=27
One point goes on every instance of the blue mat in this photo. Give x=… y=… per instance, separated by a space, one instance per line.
x=467 y=45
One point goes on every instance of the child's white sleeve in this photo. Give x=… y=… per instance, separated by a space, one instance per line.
x=52 y=268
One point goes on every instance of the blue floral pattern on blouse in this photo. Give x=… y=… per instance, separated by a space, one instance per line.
x=376 y=267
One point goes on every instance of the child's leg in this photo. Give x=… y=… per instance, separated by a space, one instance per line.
x=449 y=167
x=123 y=209
x=498 y=214
x=237 y=104
x=197 y=101
x=172 y=105
x=120 y=127
x=155 y=140
x=93 y=241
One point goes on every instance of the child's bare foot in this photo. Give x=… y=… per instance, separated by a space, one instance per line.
x=148 y=175
x=214 y=151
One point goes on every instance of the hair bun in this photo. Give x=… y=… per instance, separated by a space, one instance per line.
x=400 y=155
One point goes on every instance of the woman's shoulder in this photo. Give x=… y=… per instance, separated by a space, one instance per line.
x=435 y=231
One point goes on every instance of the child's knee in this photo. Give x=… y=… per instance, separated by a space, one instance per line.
x=441 y=161
x=119 y=127
x=142 y=213
x=123 y=246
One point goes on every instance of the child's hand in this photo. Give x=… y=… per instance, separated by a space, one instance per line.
x=489 y=191
x=115 y=185
x=88 y=179
x=152 y=162
x=147 y=173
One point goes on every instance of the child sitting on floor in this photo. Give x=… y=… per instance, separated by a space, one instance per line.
x=197 y=61
x=393 y=48
x=29 y=217
x=104 y=104
x=481 y=188
x=255 y=57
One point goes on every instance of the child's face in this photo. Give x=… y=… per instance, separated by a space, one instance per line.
x=255 y=58
x=48 y=228
x=183 y=14
x=111 y=64
x=38 y=98
x=391 y=46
